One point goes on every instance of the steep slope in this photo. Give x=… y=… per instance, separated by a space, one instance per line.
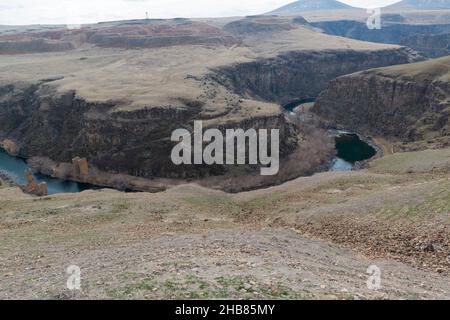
x=294 y=76
x=309 y=5
x=421 y=4
x=406 y=103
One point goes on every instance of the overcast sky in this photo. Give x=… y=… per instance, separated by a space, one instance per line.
x=87 y=11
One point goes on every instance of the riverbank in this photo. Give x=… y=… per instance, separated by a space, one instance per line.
x=313 y=155
x=13 y=169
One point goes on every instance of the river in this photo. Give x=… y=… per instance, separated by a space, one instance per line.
x=15 y=168
x=350 y=150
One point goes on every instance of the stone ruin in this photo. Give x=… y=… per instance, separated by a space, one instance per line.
x=32 y=187
x=81 y=166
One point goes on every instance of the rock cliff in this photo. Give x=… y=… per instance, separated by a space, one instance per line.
x=408 y=104
x=44 y=123
x=303 y=74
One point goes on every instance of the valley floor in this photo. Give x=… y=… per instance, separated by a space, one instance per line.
x=310 y=238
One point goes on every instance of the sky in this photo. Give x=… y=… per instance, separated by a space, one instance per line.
x=24 y=12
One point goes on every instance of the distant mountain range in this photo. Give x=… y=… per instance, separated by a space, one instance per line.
x=300 y=6
x=422 y=4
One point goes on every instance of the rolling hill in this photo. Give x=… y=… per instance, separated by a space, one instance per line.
x=309 y=5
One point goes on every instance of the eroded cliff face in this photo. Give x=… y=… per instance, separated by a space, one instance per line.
x=40 y=122
x=304 y=74
x=410 y=109
x=437 y=45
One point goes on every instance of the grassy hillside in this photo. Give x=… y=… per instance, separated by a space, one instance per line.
x=307 y=239
x=432 y=70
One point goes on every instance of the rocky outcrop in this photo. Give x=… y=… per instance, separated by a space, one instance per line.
x=9 y=146
x=100 y=178
x=32 y=187
x=303 y=74
x=404 y=103
x=81 y=166
x=429 y=45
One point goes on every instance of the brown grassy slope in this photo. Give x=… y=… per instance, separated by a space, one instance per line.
x=432 y=70
x=159 y=76
x=191 y=242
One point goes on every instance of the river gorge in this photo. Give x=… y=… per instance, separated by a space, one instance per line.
x=350 y=149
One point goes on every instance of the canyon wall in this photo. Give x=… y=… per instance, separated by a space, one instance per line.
x=429 y=40
x=33 y=46
x=303 y=74
x=44 y=123
x=399 y=104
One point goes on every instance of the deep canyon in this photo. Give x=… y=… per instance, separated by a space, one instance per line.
x=122 y=125
x=364 y=176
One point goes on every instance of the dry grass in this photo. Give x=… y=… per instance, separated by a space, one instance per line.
x=164 y=77
x=431 y=70
x=414 y=162
x=192 y=242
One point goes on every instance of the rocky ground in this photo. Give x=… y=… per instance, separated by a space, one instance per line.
x=310 y=238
